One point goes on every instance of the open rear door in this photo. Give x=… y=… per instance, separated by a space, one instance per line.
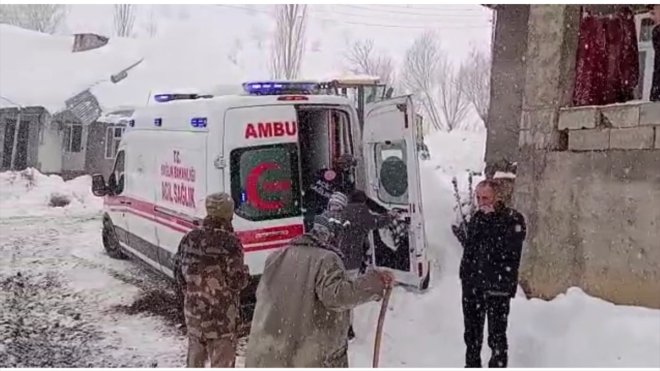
x=393 y=181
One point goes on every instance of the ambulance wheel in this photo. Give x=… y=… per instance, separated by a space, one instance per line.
x=110 y=240
x=427 y=281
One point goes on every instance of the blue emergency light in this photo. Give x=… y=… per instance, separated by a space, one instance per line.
x=162 y=98
x=279 y=87
x=198 y=122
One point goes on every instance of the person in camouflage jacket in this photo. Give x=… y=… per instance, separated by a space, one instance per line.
x=213 y=276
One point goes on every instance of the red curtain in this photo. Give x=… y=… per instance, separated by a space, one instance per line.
x=607 y=68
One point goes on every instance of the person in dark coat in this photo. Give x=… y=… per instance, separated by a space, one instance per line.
x=492 y=246
x=655 y=37
x=326 y=182
x=356 y=221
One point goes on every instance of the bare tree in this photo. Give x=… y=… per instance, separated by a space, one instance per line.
x=289 y=40
x=38 y=17
x=475 y=81
x=362 y=59
x=453 y=103
x=152 y=22
x=124 y=17
x=419 y=75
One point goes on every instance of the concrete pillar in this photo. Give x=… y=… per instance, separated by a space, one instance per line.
x=506 y=85
x=549 y=79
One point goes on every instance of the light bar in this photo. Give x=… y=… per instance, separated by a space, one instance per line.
x=162 y=98
x=279 y=87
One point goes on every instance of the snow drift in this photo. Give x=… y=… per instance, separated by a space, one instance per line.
x=30 y=193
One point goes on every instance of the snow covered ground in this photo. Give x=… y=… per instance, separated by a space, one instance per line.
x=65 y=303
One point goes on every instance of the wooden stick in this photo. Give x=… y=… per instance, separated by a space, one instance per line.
x=379 y=327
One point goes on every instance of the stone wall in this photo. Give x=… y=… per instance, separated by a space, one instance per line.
x=588 y=179
x=596 y=226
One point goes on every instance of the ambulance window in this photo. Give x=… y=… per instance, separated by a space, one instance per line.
x=342 y=134
x=392 y=172
x=265 y=181
x=116 y=180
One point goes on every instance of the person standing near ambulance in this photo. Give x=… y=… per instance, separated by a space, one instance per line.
x=303 y=302
x=213 y=275
x=326 y=182
x=492 y=246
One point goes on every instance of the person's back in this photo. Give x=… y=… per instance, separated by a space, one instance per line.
x=303 y=300
x=212 y=276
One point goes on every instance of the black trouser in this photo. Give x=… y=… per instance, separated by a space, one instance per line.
x=477 y=304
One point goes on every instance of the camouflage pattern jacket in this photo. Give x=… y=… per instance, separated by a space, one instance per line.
x=214 y=274
x=303 y=301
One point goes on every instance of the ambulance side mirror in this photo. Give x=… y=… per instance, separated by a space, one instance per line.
x=99 y=188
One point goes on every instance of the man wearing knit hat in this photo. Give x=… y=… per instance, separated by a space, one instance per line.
x=325 y=183
x=303 y=301
x=212 y=276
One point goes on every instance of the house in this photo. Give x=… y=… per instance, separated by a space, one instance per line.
x=47 y=83
x=587 y=177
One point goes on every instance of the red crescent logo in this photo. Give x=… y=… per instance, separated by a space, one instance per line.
x=252 y=187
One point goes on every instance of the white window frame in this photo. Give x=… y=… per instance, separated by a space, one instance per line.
x=645 y=46
x=68 y=126
x=112 y=140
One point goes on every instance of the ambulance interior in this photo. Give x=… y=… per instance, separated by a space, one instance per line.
x=324 y=133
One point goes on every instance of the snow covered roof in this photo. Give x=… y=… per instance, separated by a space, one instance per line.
x=41 y=70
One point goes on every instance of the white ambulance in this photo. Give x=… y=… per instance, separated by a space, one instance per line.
x=262 y=147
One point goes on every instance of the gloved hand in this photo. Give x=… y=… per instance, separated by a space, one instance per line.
x=460 y=231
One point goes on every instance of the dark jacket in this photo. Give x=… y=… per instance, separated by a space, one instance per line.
x=492 y=250
x=358 y=221
x=319 y=192
x=655 y=86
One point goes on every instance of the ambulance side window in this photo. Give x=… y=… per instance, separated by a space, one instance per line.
x=392 y=170
x=116 y=180
x=265 y=181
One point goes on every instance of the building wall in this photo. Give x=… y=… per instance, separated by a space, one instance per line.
x=596 y=219
x=95 y=161
x=587 y=179
x=72 y=162
x=27 y=146
x=507 y=83
x=50 y=149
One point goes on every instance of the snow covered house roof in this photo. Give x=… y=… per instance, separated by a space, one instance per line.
x=42 y=70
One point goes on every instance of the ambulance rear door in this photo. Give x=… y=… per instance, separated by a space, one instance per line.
x=389 y=143
x=262 y=171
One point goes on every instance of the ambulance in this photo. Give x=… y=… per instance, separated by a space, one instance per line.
x=262 y=147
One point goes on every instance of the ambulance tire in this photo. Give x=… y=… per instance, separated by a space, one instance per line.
x=110 y=240
x=427 y=281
